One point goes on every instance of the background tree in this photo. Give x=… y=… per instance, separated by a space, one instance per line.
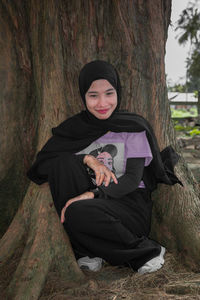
x=44 y=44
x=189 y=31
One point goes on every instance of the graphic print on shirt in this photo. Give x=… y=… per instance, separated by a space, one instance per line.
x=110 y=154
x=106 y=155
x=114 y=148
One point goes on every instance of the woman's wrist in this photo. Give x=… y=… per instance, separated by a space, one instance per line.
x=95 y=192
x=92 y=194
x=86 y=195
x=87 y=158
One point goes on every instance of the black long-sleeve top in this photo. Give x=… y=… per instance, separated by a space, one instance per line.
x=127 y=183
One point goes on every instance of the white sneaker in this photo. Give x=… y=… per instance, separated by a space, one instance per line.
x=154 y=264
x=92 y=264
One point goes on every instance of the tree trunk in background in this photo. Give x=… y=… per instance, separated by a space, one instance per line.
x=17 y=109
x=44 y=44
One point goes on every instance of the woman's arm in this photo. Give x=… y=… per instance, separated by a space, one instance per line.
x=84 y=196
x=128 y=182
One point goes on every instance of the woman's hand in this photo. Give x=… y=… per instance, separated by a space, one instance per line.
x=102 y=173
x=84 y=196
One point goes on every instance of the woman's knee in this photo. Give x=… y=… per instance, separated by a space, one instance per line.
x=65 y=159
x=77 y=215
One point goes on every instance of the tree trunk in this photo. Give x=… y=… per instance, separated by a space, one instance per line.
x=52 y=40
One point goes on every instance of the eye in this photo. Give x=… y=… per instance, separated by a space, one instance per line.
x=92 y=96
x=109 y=93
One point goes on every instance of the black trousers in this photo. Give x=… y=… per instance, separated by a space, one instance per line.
x=114 y=229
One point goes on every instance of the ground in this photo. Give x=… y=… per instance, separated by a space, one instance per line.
x=173 y=281
x=115 y=283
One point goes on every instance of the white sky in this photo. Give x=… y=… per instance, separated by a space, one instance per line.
x=175 y=65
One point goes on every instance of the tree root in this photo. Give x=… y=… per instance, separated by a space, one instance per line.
x=47 y=245
x=12 y=239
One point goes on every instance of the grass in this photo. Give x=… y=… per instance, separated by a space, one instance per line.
x=184 y=113
x=173 y=281
x=184 y=126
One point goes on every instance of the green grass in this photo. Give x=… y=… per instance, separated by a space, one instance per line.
x=184 y=113
x=184 y=128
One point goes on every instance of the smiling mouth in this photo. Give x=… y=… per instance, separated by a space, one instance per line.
x=102 y=111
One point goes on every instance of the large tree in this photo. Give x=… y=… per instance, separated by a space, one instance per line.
x=43 y=46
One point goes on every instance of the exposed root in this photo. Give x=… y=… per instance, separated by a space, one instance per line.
x=12 y=239
x=47 y=246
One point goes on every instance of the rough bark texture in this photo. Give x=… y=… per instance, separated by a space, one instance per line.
x=47 y=246
x=17 y=123
x=43 y=46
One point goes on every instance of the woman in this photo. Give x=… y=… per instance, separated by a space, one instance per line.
x=113 y=221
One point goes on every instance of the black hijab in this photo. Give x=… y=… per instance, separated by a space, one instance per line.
x=79 y=131
x=95 y=70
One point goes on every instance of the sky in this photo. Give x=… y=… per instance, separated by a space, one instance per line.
x=175 y=58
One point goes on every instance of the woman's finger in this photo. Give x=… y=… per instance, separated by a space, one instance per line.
x=62 y=218
x=110 y=175
x=63 y=215
x=107 y=178
x=114 y=178
x=98 y=177
x=99 y=174
x=102 y=178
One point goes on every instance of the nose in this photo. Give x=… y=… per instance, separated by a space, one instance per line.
x=102 y=101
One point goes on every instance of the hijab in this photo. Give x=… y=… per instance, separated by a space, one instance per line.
x=95 y=70
x=79 y=131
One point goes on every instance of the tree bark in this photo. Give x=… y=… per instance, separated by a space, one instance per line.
x=46 y=243
x=47 y=246
x=52 y=41
x=17 y=122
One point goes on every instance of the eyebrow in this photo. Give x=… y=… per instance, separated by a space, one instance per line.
x=108 y=90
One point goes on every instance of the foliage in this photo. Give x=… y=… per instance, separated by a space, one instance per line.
x=189 y=28
x=179 y=88
x=191 y=86
x=179 y=127
x=189 y=22
x=186 y=129
x=194 y=62
x=195 y=131
x=184 y=113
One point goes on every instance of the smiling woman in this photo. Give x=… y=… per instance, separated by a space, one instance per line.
x=78 y=164
x=130 y=34
x=101 y=99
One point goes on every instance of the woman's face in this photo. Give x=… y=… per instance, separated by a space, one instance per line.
x=101 y=99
